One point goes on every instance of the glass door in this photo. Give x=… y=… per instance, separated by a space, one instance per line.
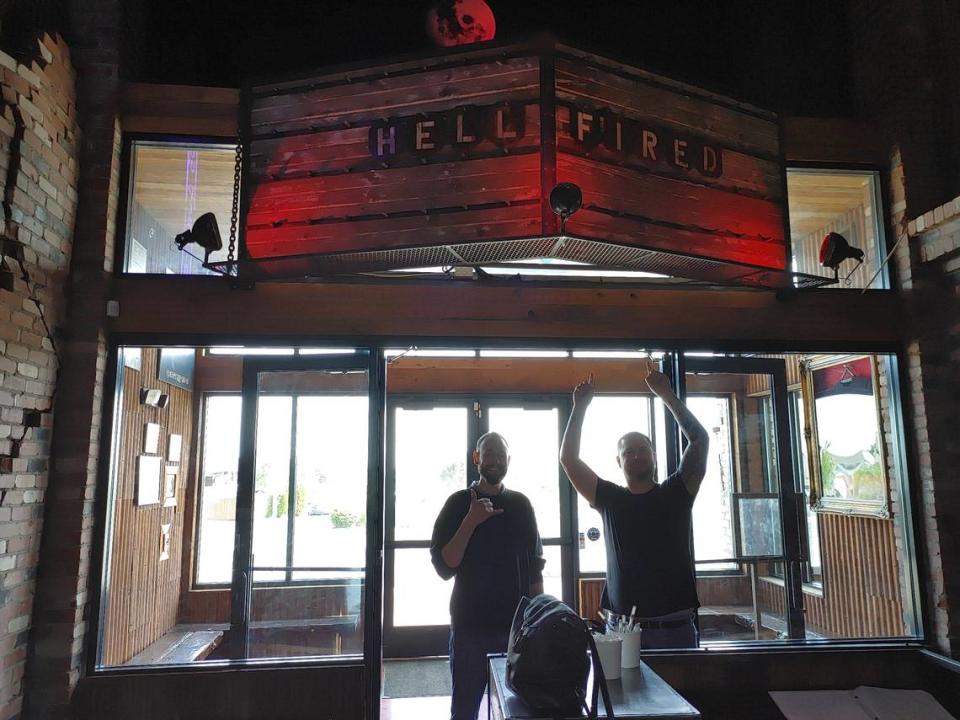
x=533 y=429
x=308 y=524
x=429 y=446
x=746 y=528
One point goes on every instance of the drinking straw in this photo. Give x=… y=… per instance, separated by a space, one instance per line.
x=633 y=611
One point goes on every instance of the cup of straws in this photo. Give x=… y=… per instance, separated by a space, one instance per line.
x=626 y=628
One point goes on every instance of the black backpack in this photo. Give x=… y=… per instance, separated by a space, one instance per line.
x=547 y=663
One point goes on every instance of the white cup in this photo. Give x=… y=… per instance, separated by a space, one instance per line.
x=608 y=647
x=630 y=649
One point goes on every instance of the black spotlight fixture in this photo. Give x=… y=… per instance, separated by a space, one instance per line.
x=204 y=233
x=834 y=250
x=565 y=199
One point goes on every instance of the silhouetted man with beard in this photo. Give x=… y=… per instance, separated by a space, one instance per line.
x=486 y=539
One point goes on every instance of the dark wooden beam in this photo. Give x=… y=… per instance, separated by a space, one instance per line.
x=179 y=109
x=207 y=308
x=839 y=141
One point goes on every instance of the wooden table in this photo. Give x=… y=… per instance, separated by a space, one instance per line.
x=639 y=693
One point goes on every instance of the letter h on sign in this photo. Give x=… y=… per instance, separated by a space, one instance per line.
x=383 y=139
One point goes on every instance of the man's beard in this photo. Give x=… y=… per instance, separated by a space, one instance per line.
x=647 y=474
x=493 y=476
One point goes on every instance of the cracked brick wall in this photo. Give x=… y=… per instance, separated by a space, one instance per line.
x=39 y=143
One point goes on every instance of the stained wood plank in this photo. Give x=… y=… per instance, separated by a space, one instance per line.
x=420 y=231
x=344 y=149
x=481 y=84
x=640 y=100
x=144 y=591
x=591 y=224
x=672 y=201
x=383 y=191
x=743 y=172
x=861 y=594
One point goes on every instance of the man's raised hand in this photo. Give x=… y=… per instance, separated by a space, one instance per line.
x=583 y=393
x=658 y=383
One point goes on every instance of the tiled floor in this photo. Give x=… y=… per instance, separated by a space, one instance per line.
x=427 y=708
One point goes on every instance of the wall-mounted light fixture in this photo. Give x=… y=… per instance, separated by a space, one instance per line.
x=204 y=233
x=834 y=250
x=154 y=397
x=565 y=199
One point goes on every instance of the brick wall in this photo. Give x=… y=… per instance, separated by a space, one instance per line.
x=39 y=140
x=930 y=255
x=58 y=640
x=904 y=68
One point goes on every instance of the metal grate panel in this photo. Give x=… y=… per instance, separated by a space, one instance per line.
x=592 y=252
x=504 y=250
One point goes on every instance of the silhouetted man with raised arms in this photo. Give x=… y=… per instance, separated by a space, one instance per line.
x=646 y=524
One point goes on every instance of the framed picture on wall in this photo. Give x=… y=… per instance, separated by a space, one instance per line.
x=844 y=435
x=151 y=438
x=170 y=487
x=165 y=541
x=132 y=358
x=174 y=447
x=149 y=468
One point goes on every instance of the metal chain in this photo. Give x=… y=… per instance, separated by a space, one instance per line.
x=236 y=205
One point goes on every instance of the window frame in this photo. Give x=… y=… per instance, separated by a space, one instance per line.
x=902 y=458
x=195 y=583
x=127 y=175
x=866 y=508
x=881 y=217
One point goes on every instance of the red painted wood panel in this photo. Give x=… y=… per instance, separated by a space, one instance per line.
x=418 y=231
x=594 y=225
x=385 y=191
x=476 y=84
x=680 y=203
x=347 y=150
x=315 y=191
x=639 y=99
x=741 y=172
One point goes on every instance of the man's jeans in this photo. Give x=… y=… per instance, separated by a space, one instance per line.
x=683 y=634
x=468 y=667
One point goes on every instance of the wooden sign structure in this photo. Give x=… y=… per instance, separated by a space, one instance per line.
x=450 y=160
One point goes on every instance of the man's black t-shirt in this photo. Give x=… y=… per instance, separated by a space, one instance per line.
x=503 y=558
x=648 y=548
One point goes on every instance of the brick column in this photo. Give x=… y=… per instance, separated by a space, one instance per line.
x=927 y=263
x=934 y=370
x=39 y=143
x=60 y=616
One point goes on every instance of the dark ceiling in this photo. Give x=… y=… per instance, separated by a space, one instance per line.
x=787 y=56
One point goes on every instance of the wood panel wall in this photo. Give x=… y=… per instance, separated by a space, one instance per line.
x=861 y=563
x=738 y=216
x=723 y=590
x=315 y=186
x=861 y=591
x=143 y=591
x=283 y=603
